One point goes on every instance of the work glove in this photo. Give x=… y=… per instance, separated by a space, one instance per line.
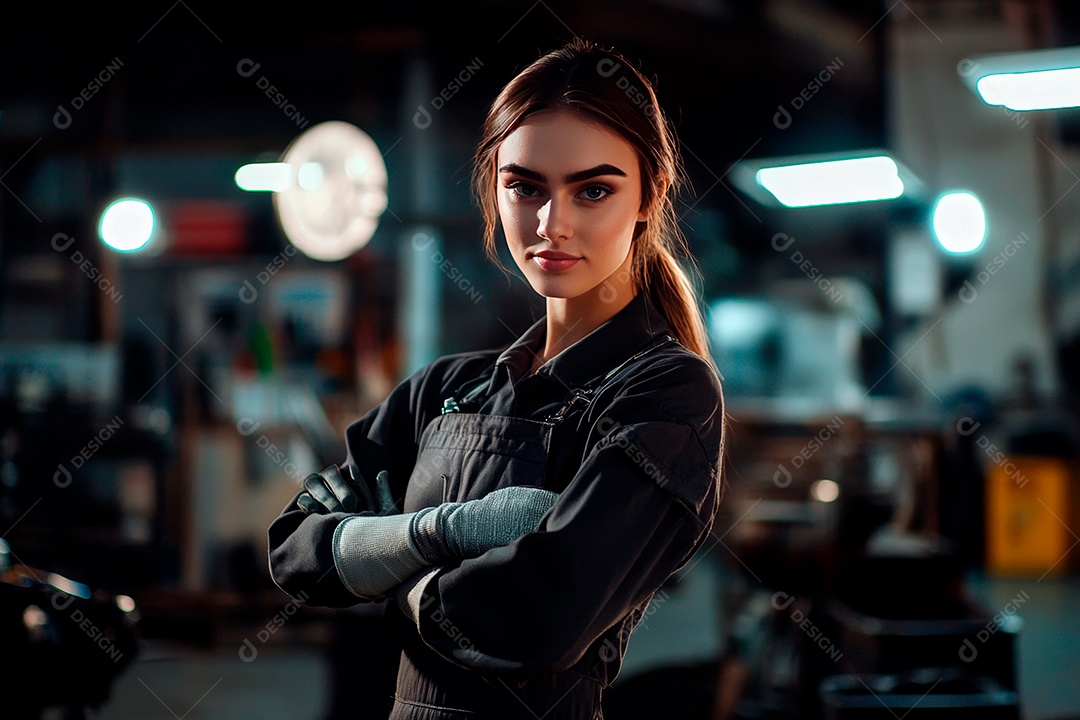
x=469 y=529
x=327 y=491
x=375 y=553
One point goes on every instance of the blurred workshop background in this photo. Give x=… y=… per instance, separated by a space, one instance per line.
x=227 y=232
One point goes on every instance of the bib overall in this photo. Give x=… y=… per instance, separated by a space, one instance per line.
x=465 y=455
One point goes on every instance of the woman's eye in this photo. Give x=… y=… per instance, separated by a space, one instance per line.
x=589 y=193
x=596 y=193
x=518 y=187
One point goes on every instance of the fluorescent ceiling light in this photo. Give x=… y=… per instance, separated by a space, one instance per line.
x=841 y=178
x=264 y=177
x=1035 y=80
x=833 y=182
x=1045 y=90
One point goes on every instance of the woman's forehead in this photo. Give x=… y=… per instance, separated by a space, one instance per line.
x=562 y=142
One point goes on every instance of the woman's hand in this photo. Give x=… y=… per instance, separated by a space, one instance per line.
x=385 y=500
x=327 y=491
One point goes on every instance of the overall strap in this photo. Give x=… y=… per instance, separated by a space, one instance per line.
x=482 y=384
x=592 y=389
x=603 y=381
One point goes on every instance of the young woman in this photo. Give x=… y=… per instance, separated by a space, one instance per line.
x=546 y=489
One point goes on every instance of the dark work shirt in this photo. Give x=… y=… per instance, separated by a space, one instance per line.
x=638 y=472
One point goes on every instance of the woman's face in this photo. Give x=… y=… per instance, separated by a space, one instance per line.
x=572 y=188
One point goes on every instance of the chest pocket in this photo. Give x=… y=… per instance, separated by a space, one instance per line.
x=464 y=456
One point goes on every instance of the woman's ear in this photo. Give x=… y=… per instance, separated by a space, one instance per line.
x=645 y=212
x=654 y=201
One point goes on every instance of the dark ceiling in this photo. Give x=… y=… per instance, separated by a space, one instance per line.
x=722 y=68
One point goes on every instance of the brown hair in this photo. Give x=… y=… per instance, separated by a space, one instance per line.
x=603 y=86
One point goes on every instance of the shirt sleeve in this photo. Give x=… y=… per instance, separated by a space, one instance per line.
x=638 y=509
x=300 y=546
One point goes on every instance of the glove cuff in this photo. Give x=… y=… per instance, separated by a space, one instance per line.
x=411 y=595
x=427 y=534
x=373 y=553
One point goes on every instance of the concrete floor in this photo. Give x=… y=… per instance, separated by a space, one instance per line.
x=168 y=682
x=1049 y=658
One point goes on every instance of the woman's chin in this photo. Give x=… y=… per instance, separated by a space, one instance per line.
x=556 y=287
x=552 y=292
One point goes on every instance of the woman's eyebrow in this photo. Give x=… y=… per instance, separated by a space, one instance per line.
x=603 y=169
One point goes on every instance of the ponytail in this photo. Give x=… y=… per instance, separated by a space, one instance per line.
x=671 y=289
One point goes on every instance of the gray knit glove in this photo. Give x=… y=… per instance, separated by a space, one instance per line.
x=374 y=553
x=469 y=529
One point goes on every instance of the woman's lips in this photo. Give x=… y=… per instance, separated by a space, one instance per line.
x=554 y=264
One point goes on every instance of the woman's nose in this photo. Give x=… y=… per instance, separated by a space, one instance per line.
x=554 y=221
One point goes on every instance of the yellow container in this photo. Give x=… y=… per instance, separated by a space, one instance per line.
x=1028 y=516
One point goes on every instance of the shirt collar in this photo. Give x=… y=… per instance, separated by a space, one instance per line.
x=592 y=356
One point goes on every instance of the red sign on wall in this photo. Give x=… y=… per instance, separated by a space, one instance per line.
x=206 y=227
